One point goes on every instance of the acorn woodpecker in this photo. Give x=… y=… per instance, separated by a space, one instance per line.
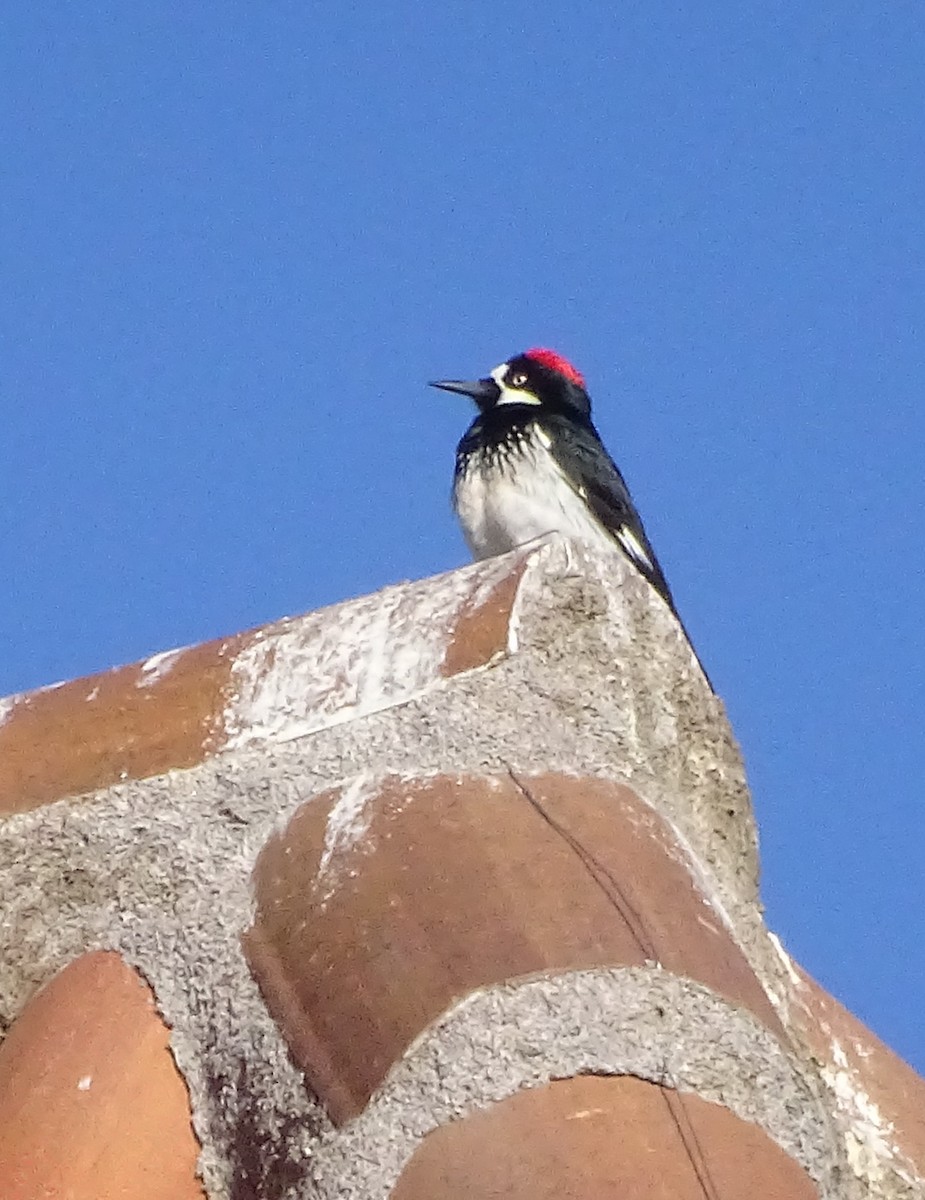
x=532 y=463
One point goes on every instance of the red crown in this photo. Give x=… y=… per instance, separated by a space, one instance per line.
x=555 y=362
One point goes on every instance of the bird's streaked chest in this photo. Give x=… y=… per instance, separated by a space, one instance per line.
x=507 y=496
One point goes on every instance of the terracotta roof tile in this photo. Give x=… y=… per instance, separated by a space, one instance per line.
x=591 y=1137
x=380 y=905
x=281 y=681
x=92 y=1106
x=449 y=947
x=878 y=1099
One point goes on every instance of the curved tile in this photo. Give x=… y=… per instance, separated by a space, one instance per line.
x=592 y=1137
x=382 y=904
x=276 y=683
x=92 y=1106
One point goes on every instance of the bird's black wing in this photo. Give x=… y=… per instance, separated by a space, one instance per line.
x=584 y=462
x=592 y=473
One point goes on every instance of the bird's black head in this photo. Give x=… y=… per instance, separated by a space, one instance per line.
x=540 y=379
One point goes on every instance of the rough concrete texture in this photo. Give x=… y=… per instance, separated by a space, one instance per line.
x=638 y=1021
x=598 y=681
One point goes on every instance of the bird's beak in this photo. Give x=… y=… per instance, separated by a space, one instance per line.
x=482 y=391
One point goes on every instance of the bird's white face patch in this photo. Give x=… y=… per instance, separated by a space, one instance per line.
x=511 y=395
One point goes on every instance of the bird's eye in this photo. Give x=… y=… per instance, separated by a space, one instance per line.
x=518 y=380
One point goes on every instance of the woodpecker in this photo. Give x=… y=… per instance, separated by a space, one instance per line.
x=532 y=463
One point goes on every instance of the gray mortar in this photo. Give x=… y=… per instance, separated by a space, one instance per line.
x=641 y=1022
x=160 y=868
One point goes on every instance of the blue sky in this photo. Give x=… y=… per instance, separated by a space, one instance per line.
x=237 y=241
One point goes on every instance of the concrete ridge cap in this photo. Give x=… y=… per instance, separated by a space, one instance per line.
x=296 y=676
x=553 y=554
x=638 y=1021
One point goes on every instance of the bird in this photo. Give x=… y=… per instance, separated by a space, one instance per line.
x=532 y=463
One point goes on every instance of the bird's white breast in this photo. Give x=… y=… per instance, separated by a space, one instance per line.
x=501 y=505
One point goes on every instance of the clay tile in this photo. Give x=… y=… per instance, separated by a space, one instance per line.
x=591 y=1137
x=879 y=1099
x=481 y=630
x=127 y=723
x=379 y=906
x=92 y=1106
x=283 y=680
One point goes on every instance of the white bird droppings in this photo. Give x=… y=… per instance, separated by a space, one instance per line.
x=345 y=662
x=157 y=666
x=7 y=704
x=348 y=822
